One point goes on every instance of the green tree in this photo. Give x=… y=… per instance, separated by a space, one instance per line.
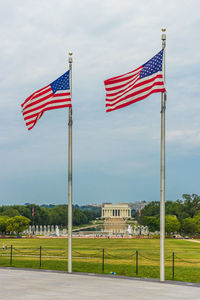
x=197 y=220
x=17 y=224
x=151 y=209
x=91 y=215
x=172 y=224
x=58 y=215
x=3 y=223
x=152 y=223
x=191 y=204
x=176 y=208
x=95 y=210
x=79 y=217
x=23 y=210
x=41 y=216
x=10 y=212
x=189 y=226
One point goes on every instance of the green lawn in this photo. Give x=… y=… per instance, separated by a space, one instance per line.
x=119 y=256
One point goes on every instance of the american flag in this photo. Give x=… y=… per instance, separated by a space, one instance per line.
x=139 y=212
x=136 y=85
x=53 y=96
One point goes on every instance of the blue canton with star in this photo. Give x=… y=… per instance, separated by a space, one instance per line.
x=154 y=65
x=62 y=83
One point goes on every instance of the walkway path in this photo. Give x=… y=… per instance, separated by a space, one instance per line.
x=48 y=285
x=85 y=227
x=190 y=240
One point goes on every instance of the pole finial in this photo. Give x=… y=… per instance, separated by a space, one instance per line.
x=163 y=36
x=70 y=57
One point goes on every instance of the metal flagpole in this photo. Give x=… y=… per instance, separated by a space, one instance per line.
x=70 y=173
x=162 y=171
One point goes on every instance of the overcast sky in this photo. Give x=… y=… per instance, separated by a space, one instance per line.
x=116 y=155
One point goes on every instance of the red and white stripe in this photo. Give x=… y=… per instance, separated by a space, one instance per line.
x=126 y=89
x=41 y=101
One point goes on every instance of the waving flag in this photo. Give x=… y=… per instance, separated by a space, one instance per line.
x=53 y=96
x=136 y=85
x=139 y=212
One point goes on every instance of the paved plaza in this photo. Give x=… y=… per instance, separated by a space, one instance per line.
x=45 y=285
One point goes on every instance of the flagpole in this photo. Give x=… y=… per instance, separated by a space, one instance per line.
x=33 y=215
x=162 y=170
x=70 y=173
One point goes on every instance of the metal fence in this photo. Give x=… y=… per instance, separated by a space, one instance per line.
x=110 y=261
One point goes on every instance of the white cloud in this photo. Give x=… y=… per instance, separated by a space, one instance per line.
x=187 y=139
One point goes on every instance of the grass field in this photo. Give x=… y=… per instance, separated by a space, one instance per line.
x=119 y=256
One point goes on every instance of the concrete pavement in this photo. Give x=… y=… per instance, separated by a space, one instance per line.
x=16 y=284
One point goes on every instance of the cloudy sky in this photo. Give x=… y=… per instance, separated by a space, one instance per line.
x=116 y=155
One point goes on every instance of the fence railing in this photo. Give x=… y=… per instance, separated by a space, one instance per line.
x=132 y=263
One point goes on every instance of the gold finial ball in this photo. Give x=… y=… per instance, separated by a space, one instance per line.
x=70 y=53
x=163 y=29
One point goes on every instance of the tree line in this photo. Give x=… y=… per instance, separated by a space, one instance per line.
x=16 y=218
x=181 y=215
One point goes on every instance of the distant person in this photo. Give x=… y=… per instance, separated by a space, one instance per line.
x=3 y=246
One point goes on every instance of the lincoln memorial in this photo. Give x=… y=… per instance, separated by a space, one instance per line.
x=120 y=210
